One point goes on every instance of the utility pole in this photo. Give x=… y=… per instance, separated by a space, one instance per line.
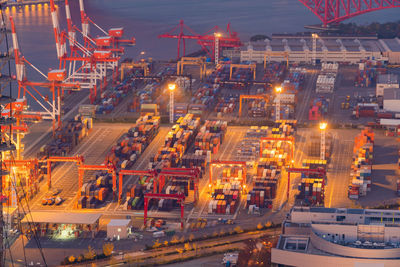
x=314 y=45
x=171 y=88
x=5 y=145
x=216 y=47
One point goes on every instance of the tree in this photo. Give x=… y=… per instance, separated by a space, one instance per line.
x=157 y=244
x=90 y=254
x=195 y=248
x=188 y=247
x=174 y=240
x=166 y=243
x=179 y=250
x=268 y=224
x=71 y=259
x=182 y=239
x=80 y=258
x=259 y=226
x=215 y=234
x=108 y=249
x=238 y=229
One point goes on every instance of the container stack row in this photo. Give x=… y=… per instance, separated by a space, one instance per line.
x=285 y=127
x=361 y=166
x=177 y=141
x=311 y=191
x=326 y=83
x=67 y=137
x=249 y=147
x=318 y=109
x=95 y=191
x=211 y=135
x=368 y=71
x=111 y=98
x=226 y=198
x=133 y=143
x=226 y=104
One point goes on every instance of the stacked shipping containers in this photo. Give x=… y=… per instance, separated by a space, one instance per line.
x=211 y=135
x=318 y=109
x=361 y=166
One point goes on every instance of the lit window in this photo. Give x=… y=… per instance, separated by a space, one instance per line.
x=119 y=229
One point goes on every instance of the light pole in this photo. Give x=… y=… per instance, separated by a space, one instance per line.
x=314 y=45
x=171 y=88
x=278 y=91
x=217 y=35
x=322 y=127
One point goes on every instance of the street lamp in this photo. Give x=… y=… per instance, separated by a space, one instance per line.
x=217 y=35
x=314 y=53
x=171 y=88
x=322 y=127
x=278 y=91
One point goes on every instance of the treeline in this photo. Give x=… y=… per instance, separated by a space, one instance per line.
x=383 y=30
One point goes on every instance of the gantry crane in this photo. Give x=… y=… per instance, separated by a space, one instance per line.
x=108 y=168
x=319 y=171
x=207 y=41
x=121 y=174
x=193 y=174
x=83 y=65
x=242 y=97
x=179 y=197
x=131 y=65
x=269 y=54
x=54 y=83
x=79 y=160
x=198 y=61
x=252 y=68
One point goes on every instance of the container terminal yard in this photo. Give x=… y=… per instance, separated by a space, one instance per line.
x=119 y=161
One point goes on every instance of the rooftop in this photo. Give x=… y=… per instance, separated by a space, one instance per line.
x=61 y=217
x=388 y=79
x=391 y=94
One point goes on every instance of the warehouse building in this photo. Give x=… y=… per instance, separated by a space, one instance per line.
x=386 y=81
x=391 y=99
x=299 y=49
x=313 y=236
x=119 y=229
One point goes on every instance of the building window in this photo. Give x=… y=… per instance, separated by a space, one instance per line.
x=119 y=230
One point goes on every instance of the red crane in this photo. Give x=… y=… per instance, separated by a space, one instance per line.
x=54 y=84
x=108 y=168
x=320 y=171
x=180 y=197
x=206 y=41
x=79 y=160
x=193 y=174
x=335 y=11
x=32 y=165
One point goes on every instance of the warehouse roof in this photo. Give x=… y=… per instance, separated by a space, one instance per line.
x=331 y=43
x=61 y=217
x=391 y=94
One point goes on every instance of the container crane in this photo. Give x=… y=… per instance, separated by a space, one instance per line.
x=207 y=41
x=54 y=84
x=121 y=174
x=242 y=97
x=111 y=39
x=82 y=64
x=289 y=140
x=221 y=163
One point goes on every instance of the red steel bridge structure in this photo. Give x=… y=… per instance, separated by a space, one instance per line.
x=335 y=11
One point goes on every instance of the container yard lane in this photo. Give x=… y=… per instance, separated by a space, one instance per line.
x=227 y=152
x=94 y=149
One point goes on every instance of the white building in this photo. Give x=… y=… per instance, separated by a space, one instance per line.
x=339 y=237
x=119 y=229
x=386 y=81
x=340 y=49
x=391 y=99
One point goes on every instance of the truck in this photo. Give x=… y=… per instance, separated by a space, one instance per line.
x=158 y=234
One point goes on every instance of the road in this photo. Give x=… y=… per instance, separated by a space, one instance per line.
x=65 y=176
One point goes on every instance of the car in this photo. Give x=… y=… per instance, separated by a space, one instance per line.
x=58 y=201
x=44 y=201
x=50 y=201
